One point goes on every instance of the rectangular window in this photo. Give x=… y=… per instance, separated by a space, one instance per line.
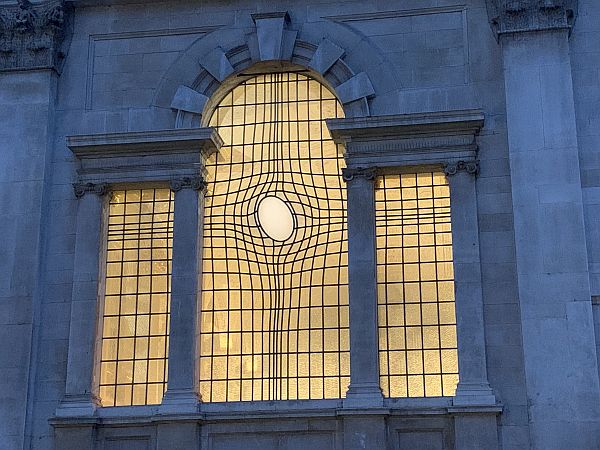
x=135 y=326
x=415 y=278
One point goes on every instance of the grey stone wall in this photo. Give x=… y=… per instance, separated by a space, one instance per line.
x=26 y=129
x=428 y=55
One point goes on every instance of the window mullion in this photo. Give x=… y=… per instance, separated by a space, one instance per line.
x=182 y=386
x=364 y=387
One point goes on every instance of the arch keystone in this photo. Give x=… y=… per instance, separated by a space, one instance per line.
x=272 y=35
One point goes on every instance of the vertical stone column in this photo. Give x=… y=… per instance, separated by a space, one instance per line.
x=364 y=390
x=473 y=387
x=182 y=386
x=552 y=266
x=474 y=405
x=81 y=385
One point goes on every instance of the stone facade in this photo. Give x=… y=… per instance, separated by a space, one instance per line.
x=503 y=94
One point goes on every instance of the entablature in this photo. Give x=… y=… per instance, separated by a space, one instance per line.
x=424 y=139
x=143 y=156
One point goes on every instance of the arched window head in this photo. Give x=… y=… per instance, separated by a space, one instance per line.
x=274 y=320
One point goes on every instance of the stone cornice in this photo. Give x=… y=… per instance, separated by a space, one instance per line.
x=143 y=156
x=32 y=35
x=436 y=138
x=519 y=16
x=146 y=143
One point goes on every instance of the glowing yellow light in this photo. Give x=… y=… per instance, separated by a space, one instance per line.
x=275 y=218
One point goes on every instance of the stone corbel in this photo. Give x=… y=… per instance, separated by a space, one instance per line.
x=32 y=35
x=518 y=16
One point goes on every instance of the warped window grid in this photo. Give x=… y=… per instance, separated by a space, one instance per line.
x=274 y=321
x=417 y=323
x=135 y=327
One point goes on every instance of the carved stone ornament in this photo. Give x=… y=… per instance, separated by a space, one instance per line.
x=81 y=189
x=349 y=174
x=517 y=16
x=31 y=35
x=470 y=167
x=195 y=183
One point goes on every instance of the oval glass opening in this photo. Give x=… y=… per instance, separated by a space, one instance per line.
x=275 y=218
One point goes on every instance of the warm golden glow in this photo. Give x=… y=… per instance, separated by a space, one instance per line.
x=135 y=325
x=274 y=321
x=275 y=218
x=417 y=323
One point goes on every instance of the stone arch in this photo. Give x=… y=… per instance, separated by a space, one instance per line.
x=217 y=59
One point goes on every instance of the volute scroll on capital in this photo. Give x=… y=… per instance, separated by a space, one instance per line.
x=469 y=167
x=100 y=189
x=196 y=183
x=350 y=174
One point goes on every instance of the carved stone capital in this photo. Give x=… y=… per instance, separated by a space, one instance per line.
x=195 y=183
x=31 y=35
x=349 y=174
x=519 y=16
x=470 y=167
x=81 y=189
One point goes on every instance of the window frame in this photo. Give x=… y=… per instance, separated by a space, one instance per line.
x=382 y=144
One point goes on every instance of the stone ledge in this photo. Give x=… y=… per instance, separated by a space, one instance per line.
x=145 y=142
x=143 y=156
x=435 y=138
x=224 y=412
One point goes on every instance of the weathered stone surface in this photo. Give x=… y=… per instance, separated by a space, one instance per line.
x=31 y=35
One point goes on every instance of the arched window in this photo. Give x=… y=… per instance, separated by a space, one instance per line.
x=274 y=308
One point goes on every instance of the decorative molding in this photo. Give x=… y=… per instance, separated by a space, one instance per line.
x=31 y=35
x=143 y=156
x=470 y=167
x=409 y=139
x=350 y=173
x=146 y=143
x=81 y=189
x=520 y=16
x=196 y=183
x=250 y=51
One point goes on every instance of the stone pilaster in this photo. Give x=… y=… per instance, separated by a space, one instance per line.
x=552 y=266
x=364 y=390
x=182 y=386
x=81 y=386
x=32 y=35
x=474 y=404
